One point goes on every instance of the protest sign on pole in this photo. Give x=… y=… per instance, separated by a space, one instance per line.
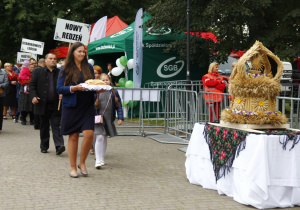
x=71 y=31
x=138 y=49
x=31 y=46
x=21 y=57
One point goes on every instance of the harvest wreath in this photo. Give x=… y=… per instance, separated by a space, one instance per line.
x=254 y=94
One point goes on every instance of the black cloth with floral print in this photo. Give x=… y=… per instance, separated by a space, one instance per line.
x=225 y=144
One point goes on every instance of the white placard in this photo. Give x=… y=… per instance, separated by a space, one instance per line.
x=32 y=46
x=138 y=94
x=21 y=57
x=71 y=31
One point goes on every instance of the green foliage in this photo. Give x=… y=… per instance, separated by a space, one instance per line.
x=36 y=20
x=238 y=24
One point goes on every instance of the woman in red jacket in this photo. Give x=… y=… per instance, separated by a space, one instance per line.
x=213 y=83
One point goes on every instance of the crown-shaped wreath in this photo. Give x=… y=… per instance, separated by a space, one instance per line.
x=254 y=89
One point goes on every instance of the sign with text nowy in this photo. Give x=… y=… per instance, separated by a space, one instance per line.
x=32 y=46
x=21 y=57
x=71 y=31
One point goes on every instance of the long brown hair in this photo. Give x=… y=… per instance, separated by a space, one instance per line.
x=70 y=69
x=117 y=103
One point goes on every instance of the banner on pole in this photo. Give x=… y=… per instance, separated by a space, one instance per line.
x=21 y=57
x=32 y=46
x=138 y=50
x=99 y=29
x=71 y=31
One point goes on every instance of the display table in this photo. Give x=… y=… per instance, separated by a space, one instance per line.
x=264 y=175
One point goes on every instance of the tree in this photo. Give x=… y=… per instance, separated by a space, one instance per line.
x=36 y=20
x=237 y=23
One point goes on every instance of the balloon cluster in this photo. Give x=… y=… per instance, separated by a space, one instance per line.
x=121 y=64
x=128 y=84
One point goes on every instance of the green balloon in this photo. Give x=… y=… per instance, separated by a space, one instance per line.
x=288 y=107
x=123 y=61
x=132 y=104
x=122 y=82
x=129 y=84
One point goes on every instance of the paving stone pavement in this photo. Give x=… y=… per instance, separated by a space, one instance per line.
x=140 y=174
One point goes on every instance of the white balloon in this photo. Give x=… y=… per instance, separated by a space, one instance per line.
x=118 y=63
x=130 y=63
x=116 y=71
x=91 y=61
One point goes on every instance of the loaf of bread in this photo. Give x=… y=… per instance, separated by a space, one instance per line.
x=95 y=82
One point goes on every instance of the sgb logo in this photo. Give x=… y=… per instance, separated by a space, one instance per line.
x=164 y=69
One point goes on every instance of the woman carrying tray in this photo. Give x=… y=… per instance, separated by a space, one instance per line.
x=78 y=112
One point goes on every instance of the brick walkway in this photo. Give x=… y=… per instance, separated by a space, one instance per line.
x=140 y=174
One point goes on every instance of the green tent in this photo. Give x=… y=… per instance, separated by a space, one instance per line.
x=157 y=65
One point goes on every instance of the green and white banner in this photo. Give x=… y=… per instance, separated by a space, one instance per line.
x=138 y=50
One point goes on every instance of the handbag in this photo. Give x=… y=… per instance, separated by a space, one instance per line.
x=99 y=117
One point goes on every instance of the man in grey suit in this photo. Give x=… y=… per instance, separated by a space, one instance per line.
x=45 y=98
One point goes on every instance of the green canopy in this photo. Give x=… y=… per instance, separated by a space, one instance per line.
x=157 y=65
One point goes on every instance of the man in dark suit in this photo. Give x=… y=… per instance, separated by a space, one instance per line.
x=46 y=99
x=41 y=64
x=17 y=68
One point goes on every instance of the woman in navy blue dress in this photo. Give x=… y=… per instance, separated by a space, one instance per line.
x=78 y=112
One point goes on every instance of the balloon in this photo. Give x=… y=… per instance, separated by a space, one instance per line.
x=116 y=71
x=129 y=84
x=122 y=82
x=118 y=63
x=123 y=103
x=130 y=64
x=91 y=61
x=288 y=107
x=123 y=61
x=132 y=104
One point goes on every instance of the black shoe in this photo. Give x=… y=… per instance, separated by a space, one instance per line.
x=23 y=122
x=36 y=127
x=43 y=151
x=60 y=150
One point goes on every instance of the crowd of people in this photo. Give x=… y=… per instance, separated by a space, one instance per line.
x=54 y=98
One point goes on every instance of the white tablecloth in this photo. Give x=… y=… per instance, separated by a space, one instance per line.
x=263 y=175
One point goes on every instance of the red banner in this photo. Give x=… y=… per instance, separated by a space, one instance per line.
x=60 y=52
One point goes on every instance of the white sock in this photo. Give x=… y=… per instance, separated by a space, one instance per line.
x=100 y=147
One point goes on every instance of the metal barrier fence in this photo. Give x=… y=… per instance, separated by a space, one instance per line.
x=290 y=107
x=196 y=85
x=169 y=108
x=144 y=110
x=182 y=112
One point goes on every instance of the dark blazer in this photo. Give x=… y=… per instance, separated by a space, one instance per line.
x=38 y=87
x=69 y=99
x=16 y=69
